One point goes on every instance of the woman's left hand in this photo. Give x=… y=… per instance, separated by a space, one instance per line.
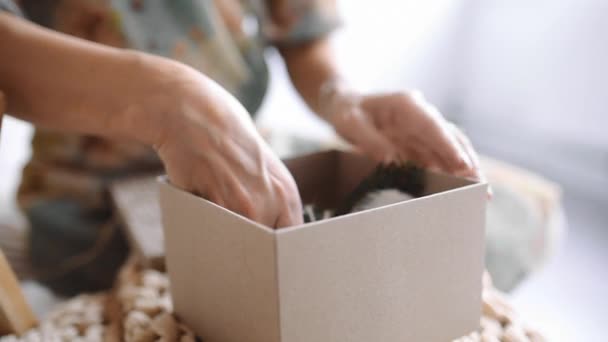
x=401 y=126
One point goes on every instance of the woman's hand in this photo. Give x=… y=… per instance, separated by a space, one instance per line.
x=202 y=134
x=400 y=126
x=210 y=147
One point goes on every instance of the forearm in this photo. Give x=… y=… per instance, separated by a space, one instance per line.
x=204 y=136
x=60 y=82
x=310 y=66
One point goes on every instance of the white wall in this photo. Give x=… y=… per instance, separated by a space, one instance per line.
x=534 y=78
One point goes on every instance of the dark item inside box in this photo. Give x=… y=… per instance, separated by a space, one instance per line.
x=354 y=184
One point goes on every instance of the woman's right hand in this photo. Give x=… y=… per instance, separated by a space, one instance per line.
x=210 y=147
x=205 y=138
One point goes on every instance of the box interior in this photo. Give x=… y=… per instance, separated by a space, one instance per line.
x=327 y=178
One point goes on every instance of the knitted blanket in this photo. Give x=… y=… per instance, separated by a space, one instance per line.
x=139 y=309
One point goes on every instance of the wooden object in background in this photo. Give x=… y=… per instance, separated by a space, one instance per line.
x=16 y=316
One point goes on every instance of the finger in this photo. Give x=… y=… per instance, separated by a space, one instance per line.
x=418 y=150
x=432 y=160
x=434 y=133
x=290 y=213
x=440 y=138
x=287 y=195
x=448 y=149
x=477 y=172
x=239 y=198
x=288 y=218
x=368 y=139
x=416 y=156
x=465 y=143
x=233 y=187
x=215 y=198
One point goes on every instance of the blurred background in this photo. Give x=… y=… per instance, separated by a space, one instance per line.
x=527 y=81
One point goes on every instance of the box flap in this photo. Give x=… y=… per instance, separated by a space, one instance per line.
x=390 y=274
x=222 y=269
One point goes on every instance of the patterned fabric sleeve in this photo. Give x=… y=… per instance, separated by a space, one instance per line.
x=299 y=21
x=9 y=6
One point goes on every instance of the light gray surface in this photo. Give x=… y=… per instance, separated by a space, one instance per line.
x=222 y=269
x=568 y=298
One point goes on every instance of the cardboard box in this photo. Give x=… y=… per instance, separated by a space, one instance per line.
x=410 y=271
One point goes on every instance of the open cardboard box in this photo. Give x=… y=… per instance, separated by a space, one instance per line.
x=410 y=271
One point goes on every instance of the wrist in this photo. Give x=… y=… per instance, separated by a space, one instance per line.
x=334 y=94
x=171 y=97
x=152 y=94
